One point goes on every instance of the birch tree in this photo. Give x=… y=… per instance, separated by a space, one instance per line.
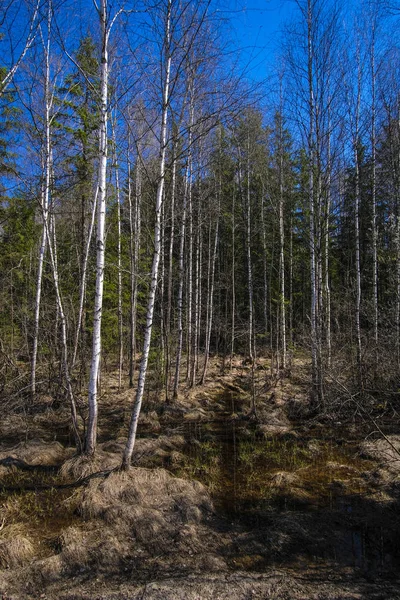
x=106 y=23
x=167 y=62
x=178 y=37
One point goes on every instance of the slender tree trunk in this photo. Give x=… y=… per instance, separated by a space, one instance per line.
x=161 y=357
x=49 y=226
x=83 y=282
x=91 y=434
x=265 y=267
x=119 y=265
x=319 y=273
x=45 y=191
x=282 y=249
x=132 y=268
x=233 y=281
x=42 y=253
x=397 y=244
x=180 y=288
x=210 y=301
x=190 y=269
x=127 y=455
x=326 y=252
x=311 y=163
x=135 y=226
x=249 y=259
x=357 y=225
x=199 y=301
x=396 y=182
x=291 y=280
x=192 y=378
x=52 y=245
x=250 y=282
x=186 y=201
x=170 y=276
x=374 y=227
x=358 y=268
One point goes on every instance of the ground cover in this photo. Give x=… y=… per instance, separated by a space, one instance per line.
x=219 y=502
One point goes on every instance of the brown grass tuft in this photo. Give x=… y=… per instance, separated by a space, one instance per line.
x=38 y=452
x=80 y=466
x=75 y=552
x=284 y=479
x=15 y=548
x=148 y=507
x=386 y=451
x=50 y=569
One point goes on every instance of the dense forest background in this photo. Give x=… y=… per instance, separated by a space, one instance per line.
x=158 y=208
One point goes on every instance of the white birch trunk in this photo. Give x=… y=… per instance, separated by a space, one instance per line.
x=45 y=190
x=49 y=227
x=39 y=279
x=91 y=435
x=127 y=455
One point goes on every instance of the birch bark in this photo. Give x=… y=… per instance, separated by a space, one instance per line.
x=91 y=434
x=127 y=455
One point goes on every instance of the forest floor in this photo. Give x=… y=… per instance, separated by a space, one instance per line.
x=219 y=503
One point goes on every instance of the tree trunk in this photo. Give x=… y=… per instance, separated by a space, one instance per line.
x=127 y=455
x=91 y=434
x=170 y=276
x=119 y=267
x=180 y=288
x=282 y=249
x=210 y=302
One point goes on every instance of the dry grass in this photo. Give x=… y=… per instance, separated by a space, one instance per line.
x=80 y=466
x=141 y=512
x=386 y=451
x=49 y=569
x=284 y=479
x=149 y=452
x=37 y=453
x=145 y=522
x=75 y=552
x=15 y=547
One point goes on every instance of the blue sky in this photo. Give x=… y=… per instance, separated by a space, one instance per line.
x=257 y=26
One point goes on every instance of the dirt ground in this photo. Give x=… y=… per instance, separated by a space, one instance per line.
x=217 y=504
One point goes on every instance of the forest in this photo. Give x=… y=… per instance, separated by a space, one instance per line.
x=199 y=302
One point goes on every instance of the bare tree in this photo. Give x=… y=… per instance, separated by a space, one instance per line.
x=106 y=24
x=127 y=455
